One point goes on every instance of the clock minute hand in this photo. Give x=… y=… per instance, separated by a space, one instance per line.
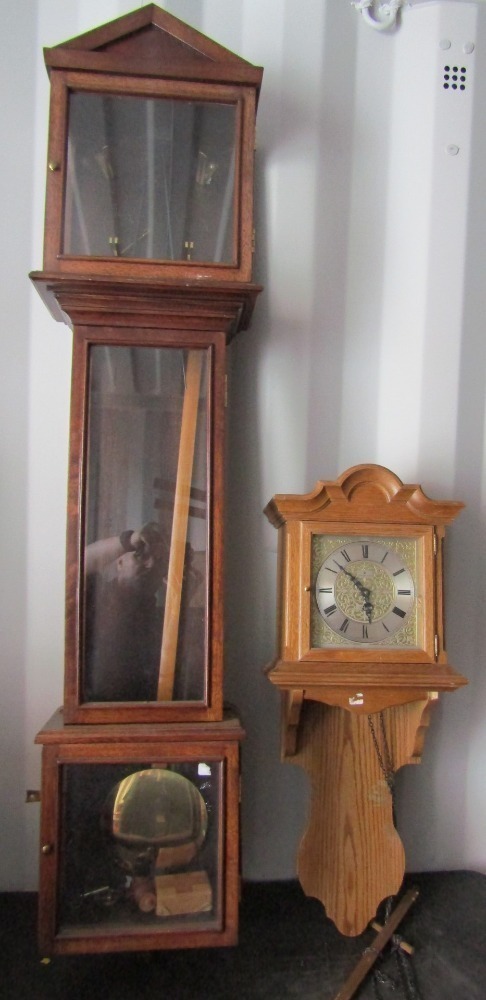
x=364 y=591
x=361 y=587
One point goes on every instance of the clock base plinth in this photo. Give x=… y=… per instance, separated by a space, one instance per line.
x=129 y=863
x=351 y=856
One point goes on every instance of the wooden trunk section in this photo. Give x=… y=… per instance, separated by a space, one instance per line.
x=351 y=856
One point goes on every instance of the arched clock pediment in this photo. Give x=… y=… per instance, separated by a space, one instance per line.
x=363 y=493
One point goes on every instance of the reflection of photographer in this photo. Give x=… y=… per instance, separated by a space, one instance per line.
x=137 y=555
x=123 y=625
x=124 y=619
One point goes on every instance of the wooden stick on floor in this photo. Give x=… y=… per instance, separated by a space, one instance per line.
x=178 y=540
x=403 y=945
x=373 y=952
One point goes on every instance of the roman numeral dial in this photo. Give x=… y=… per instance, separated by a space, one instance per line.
x=365 y=592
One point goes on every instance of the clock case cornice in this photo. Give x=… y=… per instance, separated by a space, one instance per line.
x=195 y=306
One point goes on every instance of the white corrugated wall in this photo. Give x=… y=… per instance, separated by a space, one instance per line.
x=367 y=345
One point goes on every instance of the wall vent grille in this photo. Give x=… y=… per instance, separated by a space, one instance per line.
x=454 y=78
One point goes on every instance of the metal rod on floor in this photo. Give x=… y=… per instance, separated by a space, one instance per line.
x=373 y=952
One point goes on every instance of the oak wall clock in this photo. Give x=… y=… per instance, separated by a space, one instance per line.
x=148 y=258
x=361 y=658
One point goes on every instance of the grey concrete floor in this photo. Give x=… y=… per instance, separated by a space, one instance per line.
x=287 y=949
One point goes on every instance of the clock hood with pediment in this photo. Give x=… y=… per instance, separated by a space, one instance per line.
x=151 y=42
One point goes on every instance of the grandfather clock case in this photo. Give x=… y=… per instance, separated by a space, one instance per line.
x=148 y=258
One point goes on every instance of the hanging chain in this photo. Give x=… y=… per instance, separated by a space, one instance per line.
x=407 y=984
x=407 y=975
x=384 y=759
x=381 y=978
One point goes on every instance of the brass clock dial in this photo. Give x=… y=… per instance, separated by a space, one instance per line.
x=365 y=591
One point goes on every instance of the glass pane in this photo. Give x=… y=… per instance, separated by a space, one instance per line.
x=150 y=178
x=146 y=525
x=140 y=846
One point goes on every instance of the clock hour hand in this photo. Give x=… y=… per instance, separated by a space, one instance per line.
x=368 y=610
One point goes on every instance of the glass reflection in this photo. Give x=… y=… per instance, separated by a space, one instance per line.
x=159 y=810
x=150 y=178
x=146 y=525
x=140 y=847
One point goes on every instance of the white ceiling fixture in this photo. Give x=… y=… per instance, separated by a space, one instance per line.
x=383 y=16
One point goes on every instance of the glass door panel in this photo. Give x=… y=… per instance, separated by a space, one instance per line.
x=146 y=526
x=150 y=178
x=140 y=847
